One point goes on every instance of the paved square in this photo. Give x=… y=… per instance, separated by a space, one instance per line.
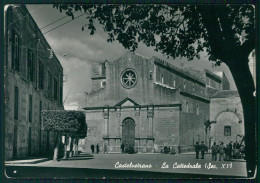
x=183 y=164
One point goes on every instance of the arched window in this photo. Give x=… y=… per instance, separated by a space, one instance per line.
x=187 y=107
x=197 y=110
x=162 y=79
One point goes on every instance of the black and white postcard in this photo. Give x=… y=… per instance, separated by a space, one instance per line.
x=129 y=91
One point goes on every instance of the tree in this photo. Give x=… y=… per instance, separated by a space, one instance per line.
x=68 y=123
x=226 y=32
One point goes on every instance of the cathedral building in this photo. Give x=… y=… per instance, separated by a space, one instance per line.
x=147 y=103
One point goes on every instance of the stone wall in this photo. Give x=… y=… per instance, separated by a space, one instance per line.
x=30 y=38
x=165 y=128
x=226 y=112
x=192 y=120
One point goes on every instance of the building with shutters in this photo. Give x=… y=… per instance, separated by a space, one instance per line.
x=33 y=81
x=146 y=103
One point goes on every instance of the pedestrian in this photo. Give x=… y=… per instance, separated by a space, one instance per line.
x=214 y=151
x=97 y=148
x=161 y=149
x=221 y=151
x=237 y=145
x=230 y=150
x=202 y=149
x=92 y=148
x=105 y=148
x=123 y=147
x=179 y=149
x=197 y=150
x=234 y=145
x=226 y=150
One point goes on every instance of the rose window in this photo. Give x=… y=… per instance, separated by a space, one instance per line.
x=128 y=78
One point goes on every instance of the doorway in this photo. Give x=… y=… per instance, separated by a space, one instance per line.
x=128 y=134
x=29 y=142
x=15 y=142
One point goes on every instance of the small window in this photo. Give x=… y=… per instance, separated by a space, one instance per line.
x=103 y=84
x=41 y=75
x=187 y=107
x=184 y=84
x=209 y=82
x=162 y=79
x=30 y=66
x=150 y=75
x=174 y=83
x=193 y=87
x=16 y=52
x=227 y=130
x=201 y=90
x=197 y=110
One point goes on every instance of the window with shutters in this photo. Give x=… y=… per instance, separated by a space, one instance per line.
x=41 y=75
x=30 y=65
x=30 y=108
x=49 y=84
x=16 y=52
x=55 y=91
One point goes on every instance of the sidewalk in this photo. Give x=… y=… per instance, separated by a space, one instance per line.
x=28 y=161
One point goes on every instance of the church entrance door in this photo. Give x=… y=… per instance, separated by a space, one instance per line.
x=128 y=134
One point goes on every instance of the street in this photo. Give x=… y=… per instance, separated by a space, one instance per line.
x=131 y=166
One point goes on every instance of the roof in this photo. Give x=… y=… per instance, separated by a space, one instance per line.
x=178 y=70
x=194 y=71
x=213 y=74
x=219 y=73
x=226 y=94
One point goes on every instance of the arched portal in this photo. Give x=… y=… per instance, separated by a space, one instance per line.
x=227 y=127
x=128 y=133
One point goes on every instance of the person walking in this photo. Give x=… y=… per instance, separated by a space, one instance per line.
x=226 y=150
x=202 y=149
x=105 y=148
x=197 y=150
x=179 y=149
x=230 y=150
x=123 y=147
x=92 y=148
x=97 y=147
x=221 y=151
x=214 y=151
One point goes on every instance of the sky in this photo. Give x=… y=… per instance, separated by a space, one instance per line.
x=83 y=50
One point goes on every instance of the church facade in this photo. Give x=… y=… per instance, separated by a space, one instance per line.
x=147 y=103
